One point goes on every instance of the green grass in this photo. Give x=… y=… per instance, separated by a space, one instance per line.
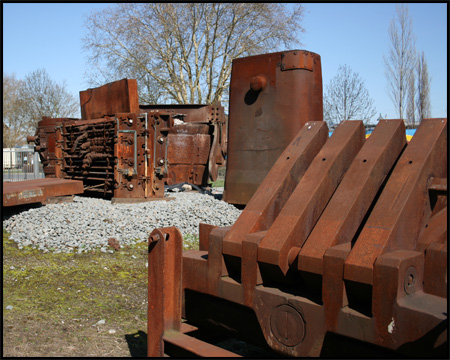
x=88 y=286
x=218 y=183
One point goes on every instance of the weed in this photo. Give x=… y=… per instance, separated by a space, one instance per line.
x=190 y=242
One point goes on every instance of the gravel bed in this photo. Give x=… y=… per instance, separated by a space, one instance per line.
x=86 y=224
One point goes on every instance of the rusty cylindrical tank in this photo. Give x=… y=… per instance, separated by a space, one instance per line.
x=271 y=97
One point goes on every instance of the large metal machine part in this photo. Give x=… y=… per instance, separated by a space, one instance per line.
x=345 y=236
x=197 y=143
x=124 y=150
x=271 y=97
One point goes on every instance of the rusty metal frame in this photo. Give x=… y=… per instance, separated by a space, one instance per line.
x=344 y=236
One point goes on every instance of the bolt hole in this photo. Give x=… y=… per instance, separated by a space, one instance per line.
x=166 y=236
x=410 y=162
x=364 y=160
x=288 y=158
x=323 y=159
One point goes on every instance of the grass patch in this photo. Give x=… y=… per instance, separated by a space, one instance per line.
x=218 y=183
x=191 y=242
x=57 y=298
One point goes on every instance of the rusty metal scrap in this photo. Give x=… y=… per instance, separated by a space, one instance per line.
x=345 y=235
x=39 y=191
x=129 y=151
x=271 y=97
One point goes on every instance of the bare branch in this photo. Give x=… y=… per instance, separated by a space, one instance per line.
x=346 y=98
x=184 y=49
x=26 y=101
x=423 y=89
x=401 y=58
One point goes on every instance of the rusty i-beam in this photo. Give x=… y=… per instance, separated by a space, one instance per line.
x=345 y=236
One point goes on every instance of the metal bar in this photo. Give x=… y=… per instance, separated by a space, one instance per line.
x=38 y=190
x=346 y=210
x=401 y=201
x=278 y=185
x=36 y=165
x=195 y=346
x=297 y=218
x=164 y=286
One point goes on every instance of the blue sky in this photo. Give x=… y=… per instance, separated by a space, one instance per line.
x=49 y=36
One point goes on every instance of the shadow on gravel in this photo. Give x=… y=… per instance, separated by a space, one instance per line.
x=9 y=211
x=137 y=343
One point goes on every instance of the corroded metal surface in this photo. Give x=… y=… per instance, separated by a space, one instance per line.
x=345 y=235
x=117 y=97
x=122 y=149
x=271 y=97
x=38 y=190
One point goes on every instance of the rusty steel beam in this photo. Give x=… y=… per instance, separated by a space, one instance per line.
x=354 y=245
x=38 y=190
x=303 y=208
x=164 y=269
x=274 y=191
x=165 y=328
x=351 y=201
x=402 y=209
x=271 y=97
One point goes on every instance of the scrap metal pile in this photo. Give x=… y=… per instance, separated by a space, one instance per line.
x=344 y=235
x=129 y=151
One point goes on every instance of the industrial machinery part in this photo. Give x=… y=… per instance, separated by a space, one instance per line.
x=129 y=151
x=39 y=191
x=345 y=236
x=271 y=97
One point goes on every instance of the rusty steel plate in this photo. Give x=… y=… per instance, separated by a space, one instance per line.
x=116 y=97
x=38 y=190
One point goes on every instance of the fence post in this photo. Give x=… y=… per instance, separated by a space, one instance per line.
x=36 y=165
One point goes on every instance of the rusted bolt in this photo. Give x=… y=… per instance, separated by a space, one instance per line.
x=258 y=83
x=155 y=237
x=161 y=162
x=130 y=186
x=161 y=139
x=130 y=162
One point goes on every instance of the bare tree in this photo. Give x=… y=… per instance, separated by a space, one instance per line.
x=401 y=60
x=26 y=101
x=346 y=98
x=44 y=97
x=423 y=89
x=182 y=52
x=411 y=101
x=14 y=123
